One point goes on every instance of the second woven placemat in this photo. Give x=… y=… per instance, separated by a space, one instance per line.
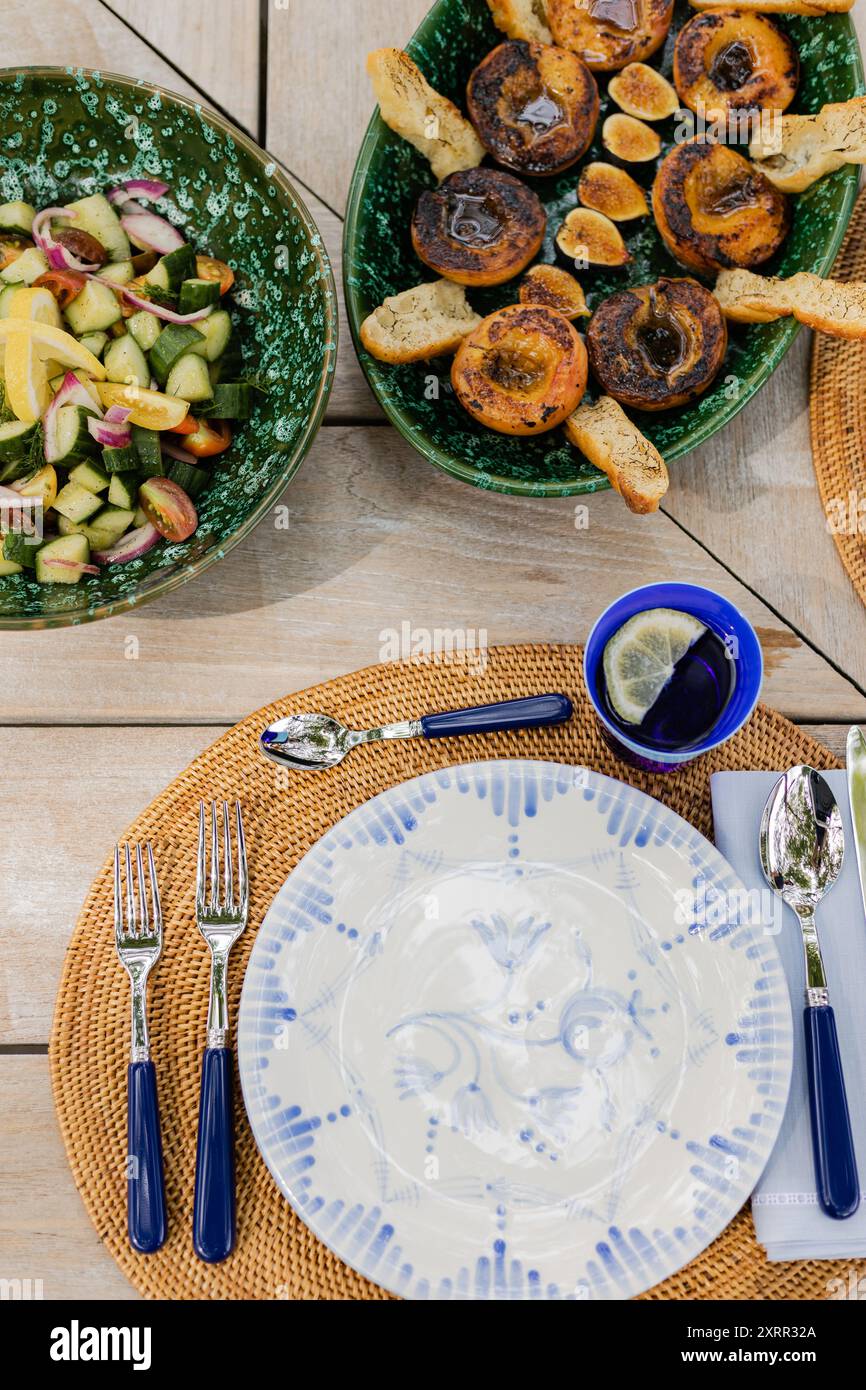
x=285 y=814
x=837 y=415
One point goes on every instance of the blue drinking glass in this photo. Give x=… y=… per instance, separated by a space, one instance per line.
x=722 y=618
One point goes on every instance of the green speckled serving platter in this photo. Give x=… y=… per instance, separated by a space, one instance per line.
x=65 y=133
x=379 y=260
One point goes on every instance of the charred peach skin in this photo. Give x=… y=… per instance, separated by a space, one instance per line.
x=522 y=371
x=715 y=210
x=729 y=60
x=657 y=346
x=479 y=227
x=607 y=34
x=534 y=107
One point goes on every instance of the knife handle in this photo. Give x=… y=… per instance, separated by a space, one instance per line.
x=832 y=1142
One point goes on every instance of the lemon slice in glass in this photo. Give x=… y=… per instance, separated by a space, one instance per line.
x=640 y=657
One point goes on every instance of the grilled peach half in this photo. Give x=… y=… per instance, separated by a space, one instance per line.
x=521 y=371
x=533 y=106
x=730 y=60
x=715 y=210
x=479 y=227
x=607 y=34
x=657 y=346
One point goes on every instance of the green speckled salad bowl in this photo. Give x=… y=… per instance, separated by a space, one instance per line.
x=379 y=260
x=66 y=133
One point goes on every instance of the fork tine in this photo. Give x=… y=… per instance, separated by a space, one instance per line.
x=228 y=876
x=118 y=898
x=214 y=859
x=154 y=893
x=131 y=927
x=142 y=897
x=243 y=882
x=201 y=867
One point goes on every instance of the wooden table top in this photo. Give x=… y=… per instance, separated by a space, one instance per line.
x=94 y=721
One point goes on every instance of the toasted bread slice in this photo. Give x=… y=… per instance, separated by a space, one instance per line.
x=427 y=321
x=804 y=148
x=522 y=19
x=782 y=6
x=830 y=306
x=427 y=120
x=609 y=439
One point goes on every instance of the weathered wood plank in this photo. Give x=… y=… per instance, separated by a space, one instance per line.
x=46 y=1239
x=214 y=42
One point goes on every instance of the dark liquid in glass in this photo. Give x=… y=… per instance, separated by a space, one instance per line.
x=691 y=702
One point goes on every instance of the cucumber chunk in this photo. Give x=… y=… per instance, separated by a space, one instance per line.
x=121 y=272
x=148 y=451
x=97 y=216
x=174 y=340
x=72 y=549
x=76 y=502
x=197 y=294
x=125 y=361
x=17 y=218
x=74 y=440
x=145 y=329
x=216 y=330
x=106 y=529
x=16 y=438
x=20 y=549
x=232 y=400
x=189 y=477
x=189 y=379
x=8 y=567
x=123 y=491
x=6 y=294
x=90 y=475
x=94 y=309
x=171 y=270
x=94 y=342
x=121 y=460
x=27 y=268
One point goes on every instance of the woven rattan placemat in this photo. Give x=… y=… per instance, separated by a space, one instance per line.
x=837 y=413
x=284 y=814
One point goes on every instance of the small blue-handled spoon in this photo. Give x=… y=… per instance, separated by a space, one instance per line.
x=802 y=846
x=311 y=741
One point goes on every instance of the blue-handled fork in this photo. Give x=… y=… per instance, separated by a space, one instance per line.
x=221 y=914
x=138 y=937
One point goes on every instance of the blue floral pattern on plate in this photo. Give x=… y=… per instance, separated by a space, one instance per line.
x=493 y=1045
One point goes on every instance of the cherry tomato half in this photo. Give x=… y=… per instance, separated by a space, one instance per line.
x=168 y=508
x=65 y=285
x=210 y=437
x=209 y=268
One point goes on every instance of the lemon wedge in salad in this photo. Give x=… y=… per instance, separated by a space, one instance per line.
x=38 y=305
x=50 y=343
x=640 y=657
x=28 y=394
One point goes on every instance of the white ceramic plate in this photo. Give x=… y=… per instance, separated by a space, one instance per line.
x=506 y=1032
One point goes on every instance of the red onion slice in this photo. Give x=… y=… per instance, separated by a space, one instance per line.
x=110 y=436
x=71 y=565
x=152 y=307
x=151 y=233
x=137 y=188
x=182 y=455
x=117 y=414
x=130 y=547
x=56 y=255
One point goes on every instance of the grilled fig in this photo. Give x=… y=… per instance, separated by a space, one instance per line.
x=522 y=371
x=479 y=227
x=611 y=191
x=728 y=60
x=553 y=288
x=534 y=107
x=642 y=92
x=715 y=210
x=607 y=34
x=657 y=346
x=630 y=140
x=589 y=238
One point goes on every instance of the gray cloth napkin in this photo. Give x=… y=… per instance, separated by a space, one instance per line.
x=788 y=1220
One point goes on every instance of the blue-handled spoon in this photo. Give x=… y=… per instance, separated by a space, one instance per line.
x=311 y=741
x=802 y=846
